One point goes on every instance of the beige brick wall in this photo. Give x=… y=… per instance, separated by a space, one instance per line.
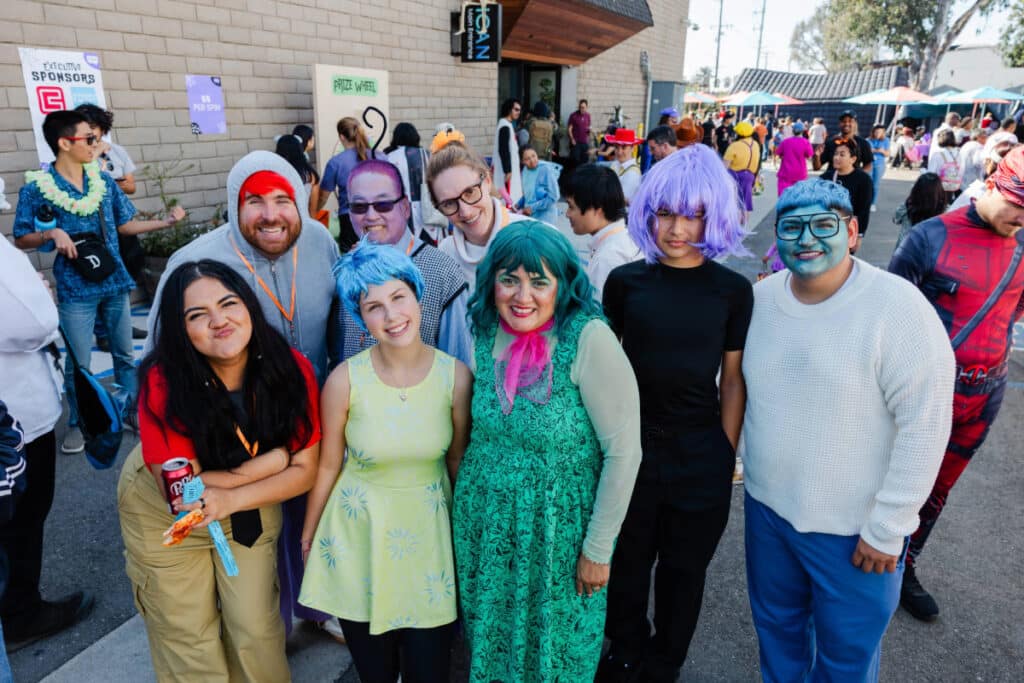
x=263 y=50
x=614 y=76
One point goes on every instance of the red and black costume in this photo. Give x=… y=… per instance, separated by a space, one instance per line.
x=974 y=278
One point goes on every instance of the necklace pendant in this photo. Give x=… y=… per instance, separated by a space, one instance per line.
x=403 y=395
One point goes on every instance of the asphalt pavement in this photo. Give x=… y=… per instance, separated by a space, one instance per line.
x=972 y=563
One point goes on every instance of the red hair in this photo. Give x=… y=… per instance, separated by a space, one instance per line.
x=264 y=182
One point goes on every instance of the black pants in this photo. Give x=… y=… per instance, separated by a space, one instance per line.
x=421 y=655
x=682 y=540
x=346 y=233
x=22 y=537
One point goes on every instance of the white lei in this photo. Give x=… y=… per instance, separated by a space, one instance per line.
x=86 y=206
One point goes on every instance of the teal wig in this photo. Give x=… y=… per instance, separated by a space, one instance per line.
x=532 y=245
x=372 y=264
x=815 y=191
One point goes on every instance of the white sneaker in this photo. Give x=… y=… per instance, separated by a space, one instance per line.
x=73 y=442
x=873 y=208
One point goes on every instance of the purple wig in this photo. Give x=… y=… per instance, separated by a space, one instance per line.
x=685 y=182
x=385 y=168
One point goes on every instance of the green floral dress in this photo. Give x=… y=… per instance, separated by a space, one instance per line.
x=523 y=499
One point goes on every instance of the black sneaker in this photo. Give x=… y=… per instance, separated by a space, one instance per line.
x=47 y=619
x=613 y=669
x=915 y=599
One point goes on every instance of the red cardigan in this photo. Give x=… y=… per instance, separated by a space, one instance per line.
x=160 y=443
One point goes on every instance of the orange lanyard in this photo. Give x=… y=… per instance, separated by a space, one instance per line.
x=290 y=313
x=251 y=449
x=616 y=231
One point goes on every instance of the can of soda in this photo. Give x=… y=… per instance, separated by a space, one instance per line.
x=175 y=473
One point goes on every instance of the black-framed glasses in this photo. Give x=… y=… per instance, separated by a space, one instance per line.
x=384 y=206
x=90 y=140
x=471 y=195
x=821 y=225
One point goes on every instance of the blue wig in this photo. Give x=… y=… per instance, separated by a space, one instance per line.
x=688 y=181
x=815 y=191
x=533 y=245
x=372 y=264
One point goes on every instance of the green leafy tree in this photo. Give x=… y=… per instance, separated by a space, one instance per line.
x=702 y=79
x=1011 y=38
x=918 y=32
x=820 y=43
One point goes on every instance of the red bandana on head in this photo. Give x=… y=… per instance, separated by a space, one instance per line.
x=262 y=182
x=1009 y=176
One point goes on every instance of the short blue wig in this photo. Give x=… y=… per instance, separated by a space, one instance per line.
x=815 y=191
x=372 y=264
x=685 y=182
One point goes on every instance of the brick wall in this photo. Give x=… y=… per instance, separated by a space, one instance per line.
x=263 y=50
x=614 y=76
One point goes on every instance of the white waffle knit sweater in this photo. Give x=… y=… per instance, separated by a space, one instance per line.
x=849 y=405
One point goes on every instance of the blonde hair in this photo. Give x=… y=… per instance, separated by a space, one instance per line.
x=455 y=153
x=350 y=129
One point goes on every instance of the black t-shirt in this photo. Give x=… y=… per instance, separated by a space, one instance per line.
x=724 y=135
x=864 y=154
x=861 y=190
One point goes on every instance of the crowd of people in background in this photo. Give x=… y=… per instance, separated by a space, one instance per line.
x=445 y=418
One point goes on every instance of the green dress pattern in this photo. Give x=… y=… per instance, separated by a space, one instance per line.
x=382 y=552
x=523 y=498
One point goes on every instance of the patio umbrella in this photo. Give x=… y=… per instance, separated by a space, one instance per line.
x=697 y=97
x=792 y=101
x=753 y=99
x=897 y=96
x=986 y=95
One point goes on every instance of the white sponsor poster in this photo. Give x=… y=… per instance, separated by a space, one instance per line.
x=55 y=80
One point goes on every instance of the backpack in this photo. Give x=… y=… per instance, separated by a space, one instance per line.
x=99 y=415
x=949 y=172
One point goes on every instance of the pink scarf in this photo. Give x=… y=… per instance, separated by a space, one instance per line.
x=525 y=360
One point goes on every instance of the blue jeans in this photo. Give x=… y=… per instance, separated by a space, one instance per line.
x=5 y=666
x=78 y=319
x=818 y=618
x=877 y=171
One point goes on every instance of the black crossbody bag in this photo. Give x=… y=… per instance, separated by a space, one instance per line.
x=95 y=263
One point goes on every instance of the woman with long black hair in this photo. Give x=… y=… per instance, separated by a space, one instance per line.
x=223 y=390
x=291 y=148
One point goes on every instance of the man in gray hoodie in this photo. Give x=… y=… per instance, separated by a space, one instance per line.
x=286 y=257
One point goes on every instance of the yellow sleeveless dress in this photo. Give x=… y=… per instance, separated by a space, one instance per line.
x=382 y=552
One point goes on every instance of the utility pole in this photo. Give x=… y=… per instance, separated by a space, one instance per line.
x=760 y=37
x=718 y=40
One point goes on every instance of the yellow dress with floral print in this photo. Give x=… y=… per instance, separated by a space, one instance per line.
x=382 y=552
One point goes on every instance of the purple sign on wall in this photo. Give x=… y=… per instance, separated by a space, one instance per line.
x=206 y=105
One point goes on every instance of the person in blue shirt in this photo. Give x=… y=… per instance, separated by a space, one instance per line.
x=880 y=153
x=540 y=187
x=84 y=201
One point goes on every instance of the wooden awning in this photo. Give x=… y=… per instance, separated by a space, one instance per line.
x=569 y=31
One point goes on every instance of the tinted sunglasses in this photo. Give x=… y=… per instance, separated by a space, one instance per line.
x=385 y=206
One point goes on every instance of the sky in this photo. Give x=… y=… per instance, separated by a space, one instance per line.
x=741 y=20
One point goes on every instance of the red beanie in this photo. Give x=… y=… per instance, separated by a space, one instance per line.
x=262 y=182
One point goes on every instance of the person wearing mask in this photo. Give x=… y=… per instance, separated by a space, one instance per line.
x=377 y=537
x=31 y=388
x=380 y=212
x=579 y=133
x=597 y=207
x=286 y=258
x=857 y=183
x=356 y=146
x=793 y=154
x=880 y=151
x=958 y=259
x=540 y=187
x=831 y=494
x=461 y=189
x=223 y=390
x=87 y=205
x=743 y=159
x=505 y=156
x=687 y=367
x=863 y=157
x=553 y=455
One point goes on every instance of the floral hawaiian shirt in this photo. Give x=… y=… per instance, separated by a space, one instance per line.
x=117 y=210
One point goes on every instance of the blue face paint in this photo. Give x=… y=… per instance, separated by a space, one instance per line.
x=810 y=256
